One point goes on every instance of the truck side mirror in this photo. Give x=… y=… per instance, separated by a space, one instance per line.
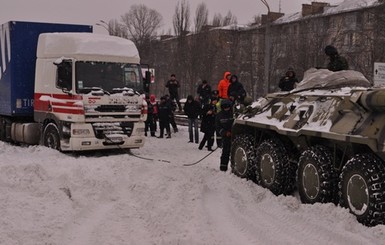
x=147 y=78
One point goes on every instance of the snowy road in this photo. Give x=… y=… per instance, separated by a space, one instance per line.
x=47 y=197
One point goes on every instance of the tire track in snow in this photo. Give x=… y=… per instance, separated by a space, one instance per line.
x=81 y=230
x=223 y=218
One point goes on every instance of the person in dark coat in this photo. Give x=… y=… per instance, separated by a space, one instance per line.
x=287 y=82
x=164 y=114
x=337 y=62
x=152 y=113
x=192 y=109
x=223 y=124
x=172 y=105
x=173 y=86
x=236 y=92
x=208 y=124
x=204 y=93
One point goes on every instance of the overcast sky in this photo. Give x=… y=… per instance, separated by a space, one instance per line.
x=91 y=11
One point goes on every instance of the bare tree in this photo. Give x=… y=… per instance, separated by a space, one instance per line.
x=181 y=20
x=117 y=29
x=257 y=19
x=217 y=20
x=201 y=17
x=229 y=19
x=142 y=24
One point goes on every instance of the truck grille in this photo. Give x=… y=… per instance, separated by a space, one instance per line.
x=111 y=108
x=103 y=129
x=103 y=113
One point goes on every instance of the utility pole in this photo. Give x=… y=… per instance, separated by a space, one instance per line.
x=267 y=59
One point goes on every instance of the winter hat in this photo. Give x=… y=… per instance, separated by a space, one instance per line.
x=152 y=98
x=190 y=97
x=233 y=76
x=290 y=70
x=248 y=101
x=330 y=50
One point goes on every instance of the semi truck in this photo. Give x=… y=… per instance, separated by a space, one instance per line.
x=67 y=88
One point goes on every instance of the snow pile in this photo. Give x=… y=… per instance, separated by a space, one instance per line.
x=345 y=6
x=47 y=197
x=325 y=79
x=87 y=46
x=349 y=5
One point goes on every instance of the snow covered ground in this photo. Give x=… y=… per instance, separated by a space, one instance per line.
x=47 y=197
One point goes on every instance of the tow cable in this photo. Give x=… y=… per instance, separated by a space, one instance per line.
x=129 y=152
x=145 y=158
x=200 y=160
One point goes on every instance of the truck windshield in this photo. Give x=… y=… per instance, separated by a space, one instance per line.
x=110 y=77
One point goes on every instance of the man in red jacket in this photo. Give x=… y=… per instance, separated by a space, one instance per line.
x=224 y=85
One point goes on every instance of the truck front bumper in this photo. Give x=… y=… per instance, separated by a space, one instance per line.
x=89 y=141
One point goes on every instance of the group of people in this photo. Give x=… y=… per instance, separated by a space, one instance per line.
x=215 y=107
x=162 y=111
x=336 y=63
x=212 y=108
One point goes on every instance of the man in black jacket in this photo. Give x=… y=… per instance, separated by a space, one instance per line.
x=204 y=93
x=337 y=62
x=164 y=114
x=192 y=108
x=223 y=123
x=208 y=124
x=173 y=86
x=236 y=92
x=288 y=82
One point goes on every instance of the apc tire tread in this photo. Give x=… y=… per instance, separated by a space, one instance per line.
x=246 y=143
x=319 y=158
x=284 y=171
x=371 y=170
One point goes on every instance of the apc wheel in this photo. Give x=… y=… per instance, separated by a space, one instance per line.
x=362 y=189
x=243 y=156
x=273 y=169
x=51 y=137
x=317 y=180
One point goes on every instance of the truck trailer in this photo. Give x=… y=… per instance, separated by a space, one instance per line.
x=67 y=88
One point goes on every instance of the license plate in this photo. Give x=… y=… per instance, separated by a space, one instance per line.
x=114 y=139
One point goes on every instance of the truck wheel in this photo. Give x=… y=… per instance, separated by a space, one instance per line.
x=51 y=136
x=362 y=188
x=272 y=167
x=242 y=155
x=317 y=180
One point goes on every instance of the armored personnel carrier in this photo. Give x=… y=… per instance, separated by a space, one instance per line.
x=325 y=138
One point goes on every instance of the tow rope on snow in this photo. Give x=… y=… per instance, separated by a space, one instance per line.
x=145 y=158
x=200 y=160
x=129 y=152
